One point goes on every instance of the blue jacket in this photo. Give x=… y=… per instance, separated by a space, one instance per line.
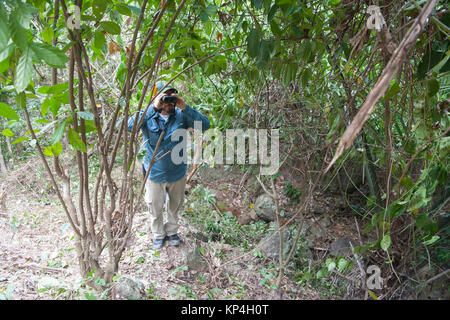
x=165 y=170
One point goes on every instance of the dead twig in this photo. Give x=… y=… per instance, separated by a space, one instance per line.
x=383 y=82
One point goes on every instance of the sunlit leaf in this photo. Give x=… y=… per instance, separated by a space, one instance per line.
x=8 y=133
x=8 y=112
x=24 y=71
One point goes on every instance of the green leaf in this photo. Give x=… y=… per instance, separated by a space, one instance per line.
x=373 y=295
x=8 y=133
x=394 y=88
x=385 y=243
x=330 y=264
x=306 y=76
x=24 y=13
x=264 y=51
x=86 y=115
x=211 y=10
x=110 y=27
x=99 y=39
x=24 y=71
x=321 y=273
x=4 y=29
x=48 y=151
x=51 y=55
x=44 y=106
x=18 y=33
x=253 y=43
x=290 y=73
x=422 y=220
x=431 y=241
x=342 y=264
x=135 y=9
x=4 y=54
x=55 y=104
x=21 y=99
x=75 y=141
x=7 y=112
x=123 y=9
x=272 y=13
x=55 y=89
x=432 y=87
x=22 y=139
x=257 y=4
x=59 y=133
x=275 y=28
x=47 y=34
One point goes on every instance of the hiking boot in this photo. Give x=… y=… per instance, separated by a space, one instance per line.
x=158 y=244
x=174 y=240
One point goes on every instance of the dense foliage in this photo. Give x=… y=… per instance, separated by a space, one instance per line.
x=304 y=67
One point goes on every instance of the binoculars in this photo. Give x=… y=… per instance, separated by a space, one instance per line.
x=169 y=99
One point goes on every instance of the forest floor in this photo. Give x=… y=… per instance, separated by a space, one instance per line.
x=38 y=259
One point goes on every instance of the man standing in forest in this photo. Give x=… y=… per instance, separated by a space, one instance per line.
x=168 y=113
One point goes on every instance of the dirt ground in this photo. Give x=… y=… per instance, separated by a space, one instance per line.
x=37 y=250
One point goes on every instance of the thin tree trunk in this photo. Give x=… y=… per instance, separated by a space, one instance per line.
x=8 y=143
x=3 y=170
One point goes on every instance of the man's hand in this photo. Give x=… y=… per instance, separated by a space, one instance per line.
x=180 y=102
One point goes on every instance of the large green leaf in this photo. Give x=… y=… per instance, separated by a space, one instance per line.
x=86 y=115
x=4 y=54
x=55 y=104
x=8 y=133
x=257 y=4
x=431 y=58
x=123 y=9
x=59 y=133
x=24 y=71
x=22 y=139
x=55 y=89
x=253 y=43
x=47 y=34
x=44 y=106
x=432 y=87
x=7 y=112
x=53 y=150
x=18 y=33
x=51 y=55
x=275 y=28
x=99 y=40
x=265 y=49
x=75 y=141
x=23 y=14
x=21 y=99
x=4 y=29
x=272 y=13
x=290 y=71
x=110 y=27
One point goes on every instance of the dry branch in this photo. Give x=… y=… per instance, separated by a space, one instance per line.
x=383 y=82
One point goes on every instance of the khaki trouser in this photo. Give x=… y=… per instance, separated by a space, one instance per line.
x=155 y=197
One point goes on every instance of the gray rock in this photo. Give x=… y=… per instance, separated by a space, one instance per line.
x=271 y=248
x=325 y=221
x=314 y=233
x=130 y=289
x=265 y=208
x=341 y=247
x=194 y=259
x=244 y=219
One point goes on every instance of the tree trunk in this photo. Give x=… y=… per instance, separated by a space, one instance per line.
x=3 y=170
